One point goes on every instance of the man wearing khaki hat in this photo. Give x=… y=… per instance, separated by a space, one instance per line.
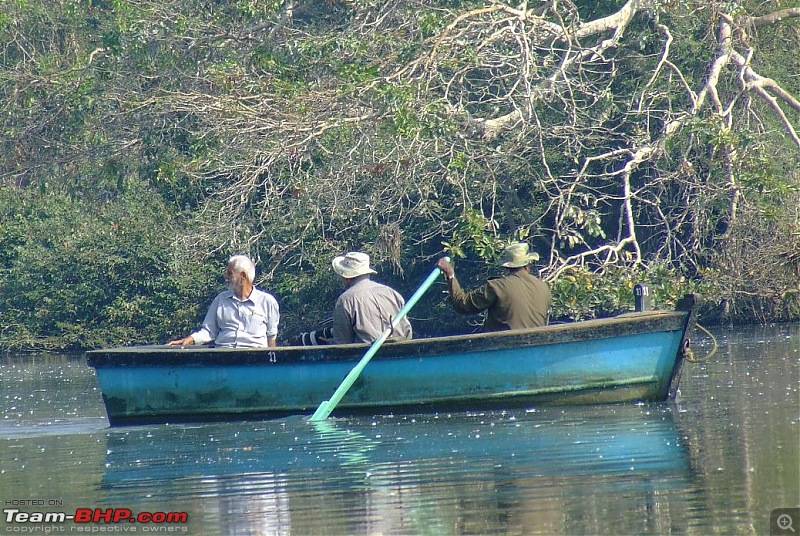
x=366 y=308
x=516 y=301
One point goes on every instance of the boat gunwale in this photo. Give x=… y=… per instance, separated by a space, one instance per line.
x=627 y=324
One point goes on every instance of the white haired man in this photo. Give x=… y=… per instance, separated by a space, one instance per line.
x=242 y=316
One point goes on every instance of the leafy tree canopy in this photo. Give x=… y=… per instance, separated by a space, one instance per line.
x=639 y=140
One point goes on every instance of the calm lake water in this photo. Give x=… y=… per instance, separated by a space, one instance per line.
x=718 y=461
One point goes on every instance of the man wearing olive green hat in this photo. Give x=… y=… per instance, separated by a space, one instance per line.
x=515 y=301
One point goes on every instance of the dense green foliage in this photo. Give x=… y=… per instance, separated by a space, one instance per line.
x=144 y=142
x=78 y=275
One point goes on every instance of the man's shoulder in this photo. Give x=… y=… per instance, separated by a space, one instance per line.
x=537 y=285
x=384 y=288
x=517 y=278
x=262 y=295
x=352 y=292
x=381 y=285
x=367 y=287
x=224 y=295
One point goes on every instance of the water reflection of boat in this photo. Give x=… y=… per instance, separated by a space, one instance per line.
x=618 y=440
x=557 y=470
x=635 y=356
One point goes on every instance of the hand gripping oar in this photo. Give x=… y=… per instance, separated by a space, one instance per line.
x=327 y=406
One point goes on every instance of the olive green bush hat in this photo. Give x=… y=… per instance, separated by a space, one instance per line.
x=516 y=256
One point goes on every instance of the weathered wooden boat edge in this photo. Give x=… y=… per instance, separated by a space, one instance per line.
x=651 y=387
x=160 y=354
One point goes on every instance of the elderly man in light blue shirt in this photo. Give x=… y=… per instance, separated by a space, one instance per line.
x=242 y=316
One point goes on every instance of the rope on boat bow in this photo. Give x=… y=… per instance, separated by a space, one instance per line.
x=689 y=354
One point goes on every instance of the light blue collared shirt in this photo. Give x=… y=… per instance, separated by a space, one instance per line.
x=236 y=323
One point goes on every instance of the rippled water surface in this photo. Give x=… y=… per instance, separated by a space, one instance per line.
x=719 y=460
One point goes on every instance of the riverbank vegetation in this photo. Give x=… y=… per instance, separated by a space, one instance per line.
x=144 y=142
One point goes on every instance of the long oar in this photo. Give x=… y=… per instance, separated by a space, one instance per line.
x=327 y=406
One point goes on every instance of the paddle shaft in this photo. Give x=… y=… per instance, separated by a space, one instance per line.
x=327 y=406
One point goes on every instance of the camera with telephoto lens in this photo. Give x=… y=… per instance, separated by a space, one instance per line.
x=313 y=338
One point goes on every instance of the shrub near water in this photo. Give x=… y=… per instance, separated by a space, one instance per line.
x=73 y=277
x=580 y=294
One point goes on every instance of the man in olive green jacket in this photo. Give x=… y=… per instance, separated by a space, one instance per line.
x=516 y=301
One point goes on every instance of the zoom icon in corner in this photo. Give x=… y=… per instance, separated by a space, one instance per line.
x=783 y=521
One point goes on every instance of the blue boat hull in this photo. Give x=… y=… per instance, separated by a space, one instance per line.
x=634 y=357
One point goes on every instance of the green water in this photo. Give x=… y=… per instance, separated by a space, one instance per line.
x=718 y=461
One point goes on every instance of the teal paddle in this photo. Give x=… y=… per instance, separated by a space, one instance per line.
x=327 y=406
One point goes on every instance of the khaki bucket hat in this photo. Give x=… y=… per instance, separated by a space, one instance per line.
x=352 y=265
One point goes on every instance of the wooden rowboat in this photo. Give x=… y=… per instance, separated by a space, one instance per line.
x=631 y=357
